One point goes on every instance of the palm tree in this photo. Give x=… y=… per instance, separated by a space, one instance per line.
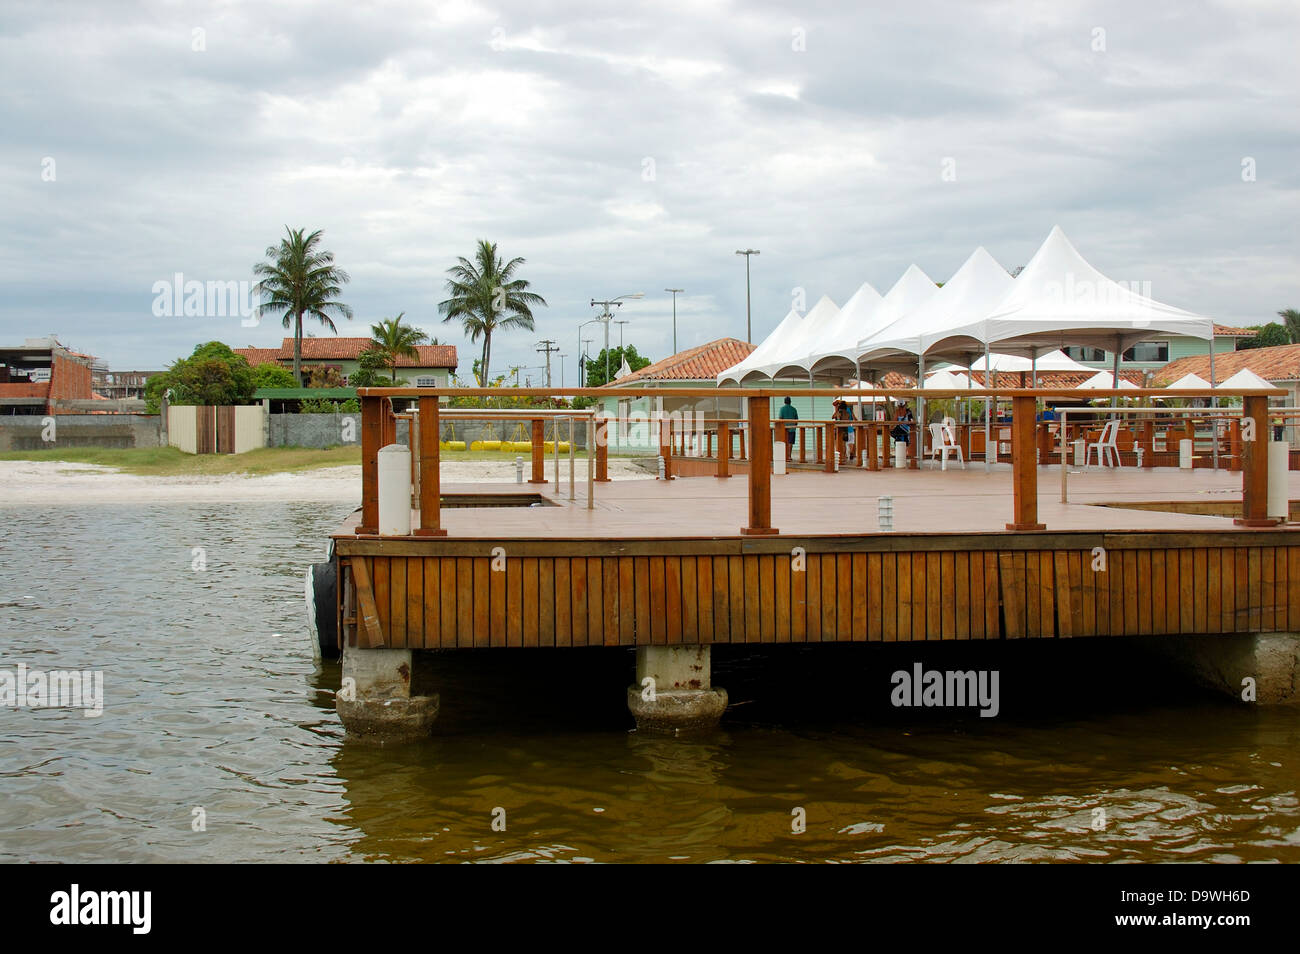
x=485 y=296
x=390 y=339
x=1291 y=318
x=300 y=279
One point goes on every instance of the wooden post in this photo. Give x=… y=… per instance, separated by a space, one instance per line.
x=1044 y=444
x=1234 y=443
x=829 y=443
x=760 y=469
x=862 y=431
x=371 y=432
x=873 y=451
x=1254 y=480
x=915 y=440
x=666 y=446
x=781 y=430
x=1024 y=470
x=602 y=450
x=430 y=482
x=539 y=452
x=741 y=436
x=724 y=448
x=390 y=423
x=803 y=444
x=1149 y=443
x=817 y=449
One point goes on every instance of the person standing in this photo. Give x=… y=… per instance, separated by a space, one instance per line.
x=788 y=413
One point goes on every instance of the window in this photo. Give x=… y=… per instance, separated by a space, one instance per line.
x=1085 y=354
x=426 y=381
x=1148 y=351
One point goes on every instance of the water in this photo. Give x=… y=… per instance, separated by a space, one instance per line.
x=213 y=703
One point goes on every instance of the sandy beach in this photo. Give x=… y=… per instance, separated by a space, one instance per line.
x=57 y=482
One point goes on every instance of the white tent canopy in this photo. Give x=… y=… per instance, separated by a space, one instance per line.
x=858 y=312
x=946 y=380
x=769 y=349
x=839 y=351
x=974 y=288
x=791 y=360
x=1060 y=299
x=1188 y=381
x=1104 y=381
x=1050 y=361
x=1245 y=378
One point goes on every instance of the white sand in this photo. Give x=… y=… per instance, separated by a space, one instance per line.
x=54 y=482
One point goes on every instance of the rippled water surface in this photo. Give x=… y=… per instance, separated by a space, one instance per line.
x=213 y=702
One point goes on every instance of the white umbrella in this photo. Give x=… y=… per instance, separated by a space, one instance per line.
x=1189 y=381
x=1104 y=381
x=1245 y=378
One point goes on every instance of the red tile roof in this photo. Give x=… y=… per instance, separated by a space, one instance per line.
x=256 y=356
x=1281 y=363
x=1227 y=331
x=347 y=349
x=702 y=363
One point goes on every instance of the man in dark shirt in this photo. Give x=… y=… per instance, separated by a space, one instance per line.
x=788 y=413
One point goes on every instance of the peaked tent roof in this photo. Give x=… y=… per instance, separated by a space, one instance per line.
x=1245 y=378
x=1104 y=381
x=945 y=380
x=1050 y=361
x=1190 y=380
x=858 y=312
x=978 y=285
x=790 y=360
x=769 y=347
x=1060 y=299
x=840 y=353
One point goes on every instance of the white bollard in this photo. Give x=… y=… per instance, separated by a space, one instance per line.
x=395 y=490
x=1080 y=452
x=900 y=455
x=778 y=458
x=1185 y=454
x=1279 y=463
x=519 y=470
x=837 y=462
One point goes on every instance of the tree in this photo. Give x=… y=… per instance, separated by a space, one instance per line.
x=212 y=375
x=300 y=280
x=1291 y=318
x=273 y=376
x=1266 y=336
x=391 y=340
x=484 y=296
x=596 y=364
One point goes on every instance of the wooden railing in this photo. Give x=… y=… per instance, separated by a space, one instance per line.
x=379 y=429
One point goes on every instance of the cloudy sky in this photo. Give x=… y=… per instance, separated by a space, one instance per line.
x=632 y=147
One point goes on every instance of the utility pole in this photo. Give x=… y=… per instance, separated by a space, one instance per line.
x=606 y=316
x=675 y=292
x=548 y=346
x=620 y=334
x=562 y=357
x=749 y=331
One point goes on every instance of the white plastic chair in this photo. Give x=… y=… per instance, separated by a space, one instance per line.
x=943 y=441
x=1104 y=445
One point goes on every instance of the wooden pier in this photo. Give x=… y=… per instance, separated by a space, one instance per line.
x=675 y=566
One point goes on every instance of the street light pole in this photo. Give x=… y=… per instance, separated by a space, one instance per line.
x=675 y=291
x=749 y=332
x=605 y=317
x=620 y=333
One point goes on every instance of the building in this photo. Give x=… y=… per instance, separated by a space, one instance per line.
x=432 y=369
x=1161 y=350
x=119 y=385
x=43 y=377
x=1279 y=366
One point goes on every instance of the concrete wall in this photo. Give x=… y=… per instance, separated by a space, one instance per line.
x=80 y=430
x=314 y=430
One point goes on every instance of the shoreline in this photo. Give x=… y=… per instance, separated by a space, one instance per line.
x=63 y=483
